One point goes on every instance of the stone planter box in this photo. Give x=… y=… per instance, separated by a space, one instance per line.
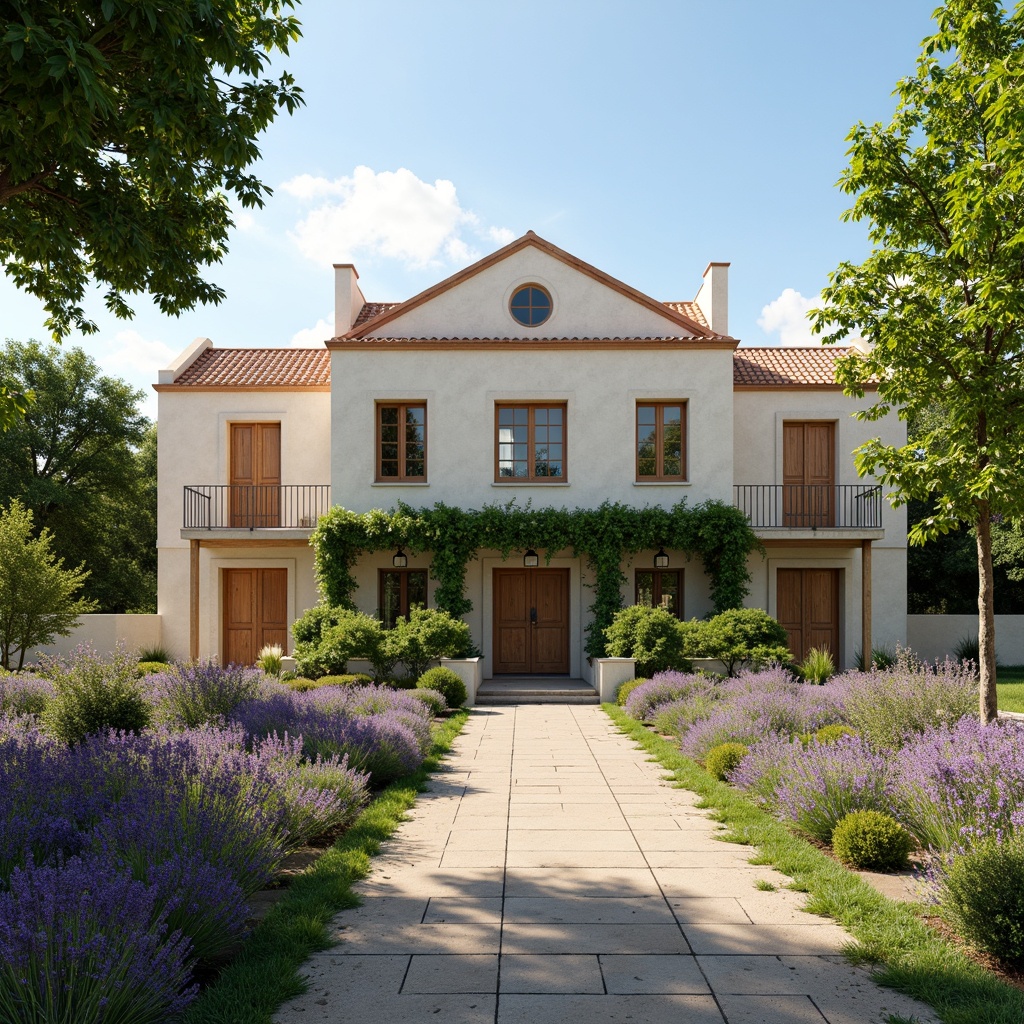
x=470 y=671
x=610 y=674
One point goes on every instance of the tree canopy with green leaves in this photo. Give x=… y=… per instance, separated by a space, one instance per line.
x=83 y=459
x=126 y=129
x=941 y=296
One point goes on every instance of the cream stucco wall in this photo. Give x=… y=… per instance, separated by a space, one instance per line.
x=581 y=306
x=461 y=389
x=193 y=448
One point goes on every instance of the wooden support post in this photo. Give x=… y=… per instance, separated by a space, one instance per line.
x=865 y=601
x=193 y=600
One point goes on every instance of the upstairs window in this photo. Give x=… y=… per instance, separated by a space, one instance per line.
x=402 y=442
x=530 y=443
x=530 y=305
x=660 y=441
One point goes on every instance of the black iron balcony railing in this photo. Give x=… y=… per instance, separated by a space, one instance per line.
x=810 y=506
x=254 y=507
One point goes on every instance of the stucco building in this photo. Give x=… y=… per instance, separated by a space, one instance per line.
x=529 y=375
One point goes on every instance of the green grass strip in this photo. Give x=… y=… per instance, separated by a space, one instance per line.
x=907 y=955
x=266 y=972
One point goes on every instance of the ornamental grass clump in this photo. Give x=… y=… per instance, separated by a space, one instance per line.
x=664 y=687
x=202 y=692
x=83 y=941
x=829 y=780
x=92 y=694
x=888 y=707
x=982 y=896
x=956 y=782
x=872 y=841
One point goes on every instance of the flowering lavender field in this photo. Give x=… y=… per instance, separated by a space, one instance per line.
x=127 y=857
x=904 y=741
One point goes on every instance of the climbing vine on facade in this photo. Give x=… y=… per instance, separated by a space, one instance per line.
x=716 y=533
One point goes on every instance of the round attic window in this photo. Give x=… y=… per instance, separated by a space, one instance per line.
x=530 y=305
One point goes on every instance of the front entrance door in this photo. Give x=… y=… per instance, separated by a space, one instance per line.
x=808 y=474
x=255 y=475
x=531 y=621
x=255 y=613
x=808 y=607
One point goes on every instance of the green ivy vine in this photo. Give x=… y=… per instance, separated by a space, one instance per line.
x=716 y=533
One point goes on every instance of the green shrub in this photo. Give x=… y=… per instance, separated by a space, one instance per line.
x=92 y=695
x=160 y=654
x=447 y=683
x=653 y=637
x=144 y=668
x=626 y=689
x=308 y=631
x=831 y=733
x=881 y=658
x=721 y=760
x=428 y=635
x=299 y=683
x=432 y=698
x=818 y=666
x=982 y=896
x=342 y=679
x=739 y=635
x=871 y=840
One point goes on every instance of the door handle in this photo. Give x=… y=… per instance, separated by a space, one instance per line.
x=533 y=616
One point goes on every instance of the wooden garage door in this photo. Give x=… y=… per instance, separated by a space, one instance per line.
x=255 y=613
x=808 y=474
x=808 y=608
x=531 y=621
x=255 y=475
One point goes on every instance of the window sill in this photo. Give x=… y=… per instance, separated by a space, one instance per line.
x=662 y=483
x=531 y=483
x=400 y=483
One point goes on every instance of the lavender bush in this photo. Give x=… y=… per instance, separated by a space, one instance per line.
x=201 y=692
x=664 y=688
x=887 y=707
x=831 y=779
x=85 y=942
x=767 y=763
x=24 y=693
x=956 y=782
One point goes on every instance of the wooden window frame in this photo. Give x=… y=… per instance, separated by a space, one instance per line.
x=680 y=574
x=403 y=597
x=531 y=443
x=401 y=405
x=659 y=438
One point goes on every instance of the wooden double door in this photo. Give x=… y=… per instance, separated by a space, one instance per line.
x=531 y=621
x=255 y=475
x=255 y=613
x=807 y=601
x=808 y=474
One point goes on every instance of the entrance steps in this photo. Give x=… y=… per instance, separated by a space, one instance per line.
x=535 y=690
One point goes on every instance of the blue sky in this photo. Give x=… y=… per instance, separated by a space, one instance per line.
x=647 y=138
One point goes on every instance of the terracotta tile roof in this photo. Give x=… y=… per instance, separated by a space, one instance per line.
x=372 y=309
x=259 y=367
x=785 y=367
x=691 y=310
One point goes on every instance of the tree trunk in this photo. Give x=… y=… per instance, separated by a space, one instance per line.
x=987 y=705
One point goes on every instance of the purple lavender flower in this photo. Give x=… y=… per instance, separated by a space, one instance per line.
x=767 y=763
x=83 y=942
x=201 y=692
x=831 y=779
x=955 y=783
x=644 y=700
x=24 y=693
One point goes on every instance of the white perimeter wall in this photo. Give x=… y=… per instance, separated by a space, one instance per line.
x=935 y=636
x=103 y=632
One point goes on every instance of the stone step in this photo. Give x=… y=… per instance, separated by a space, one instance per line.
x=536 y=690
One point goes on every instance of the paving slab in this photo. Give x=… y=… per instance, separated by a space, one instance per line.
x=552 y=874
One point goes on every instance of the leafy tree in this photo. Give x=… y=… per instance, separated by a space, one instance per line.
x=941 y=296
x=37 y=594
x=84 y=460
x=125 y=128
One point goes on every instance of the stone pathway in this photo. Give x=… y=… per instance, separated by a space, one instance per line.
x=552 y=875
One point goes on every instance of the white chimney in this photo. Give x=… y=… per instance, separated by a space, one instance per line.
x=713 y=297
x=348 y=298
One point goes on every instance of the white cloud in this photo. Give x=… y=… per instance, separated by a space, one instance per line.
x=388 y=214
x=787 y=316
x=315 y=336
x=134 y=358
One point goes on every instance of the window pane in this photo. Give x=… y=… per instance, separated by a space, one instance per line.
x=388 y=452
x=669 y=588
x=413 y=468
x=671 y=415
x=505 y=417
x=645 y=588
x=389 y=414
x=417 y=589
x=390 y=598
x=672 y=466
x=521 y=417
x=555 y=415
x=647 y=466
x=645 y=415
x=389 y=432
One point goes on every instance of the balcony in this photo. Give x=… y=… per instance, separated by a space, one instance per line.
x=254 y=507
x=851 y=508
